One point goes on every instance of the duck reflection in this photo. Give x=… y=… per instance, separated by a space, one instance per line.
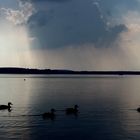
x=10 y=110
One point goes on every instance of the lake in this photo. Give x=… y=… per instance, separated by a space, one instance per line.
x=107 y=107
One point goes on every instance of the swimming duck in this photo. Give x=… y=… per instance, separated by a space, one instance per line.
x=138 y=109
x=2 y=107
x=72 y=110
x=49 y=115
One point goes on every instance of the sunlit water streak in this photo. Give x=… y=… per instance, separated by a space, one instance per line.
x=107 y=107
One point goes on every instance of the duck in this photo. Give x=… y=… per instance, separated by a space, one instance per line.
x=2 y=107
x=72 y=110
x=49 y=115
x=138 y=109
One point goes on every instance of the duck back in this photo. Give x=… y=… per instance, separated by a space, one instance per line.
x=4 y=107
x=138 y=109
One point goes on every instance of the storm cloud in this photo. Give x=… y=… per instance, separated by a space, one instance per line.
x=75 y=34
x=73 y=23
x=44 y=0
x=64 y=23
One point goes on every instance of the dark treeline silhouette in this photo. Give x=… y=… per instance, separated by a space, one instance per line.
x=11 y=70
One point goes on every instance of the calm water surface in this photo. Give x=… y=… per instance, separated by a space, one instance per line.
x=107 y=107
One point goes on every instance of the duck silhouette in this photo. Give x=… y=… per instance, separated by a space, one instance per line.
x=3 y=107
x=72 y=110
x=49 y=115
x=138 y=109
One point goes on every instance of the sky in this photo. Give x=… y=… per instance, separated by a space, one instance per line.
x=70 y=34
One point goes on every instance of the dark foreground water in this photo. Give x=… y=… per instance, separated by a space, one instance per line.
x=107 y=107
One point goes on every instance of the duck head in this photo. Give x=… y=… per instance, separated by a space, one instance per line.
x=9 y=104
x=76 y=106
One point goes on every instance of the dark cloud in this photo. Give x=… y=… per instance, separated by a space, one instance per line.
x=111 y=4
x=76 y=23
x=38 y=19
x=117 y=7
x=57 y=0
x=44 y=0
